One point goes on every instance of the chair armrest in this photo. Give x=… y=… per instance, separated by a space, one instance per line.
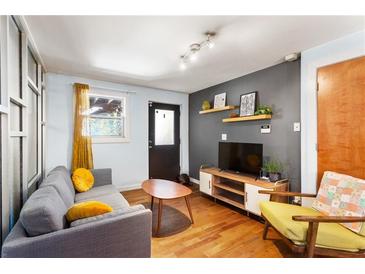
x=102 y=176
x=329 y=219
x=287 y=193
x=124 y=236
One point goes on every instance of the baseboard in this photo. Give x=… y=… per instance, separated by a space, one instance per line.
x=130 y=187
x=195 y=181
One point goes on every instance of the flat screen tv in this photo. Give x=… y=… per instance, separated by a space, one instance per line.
x=240 y=157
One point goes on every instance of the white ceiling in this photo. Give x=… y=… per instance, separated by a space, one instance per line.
x=145 y=50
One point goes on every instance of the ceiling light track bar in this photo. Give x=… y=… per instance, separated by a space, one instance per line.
x=191 y=53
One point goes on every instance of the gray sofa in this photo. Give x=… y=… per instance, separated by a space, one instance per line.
x=42 y=229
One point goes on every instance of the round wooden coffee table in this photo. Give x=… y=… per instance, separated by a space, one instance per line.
x=166 y=190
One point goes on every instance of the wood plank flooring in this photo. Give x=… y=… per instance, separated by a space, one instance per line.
x=218 y=231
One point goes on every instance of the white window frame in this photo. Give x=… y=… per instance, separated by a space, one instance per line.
x=118 y=96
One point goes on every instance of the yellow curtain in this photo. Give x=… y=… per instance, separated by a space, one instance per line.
x=82 y=155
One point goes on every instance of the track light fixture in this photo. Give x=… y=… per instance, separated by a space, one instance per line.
x=192 y=54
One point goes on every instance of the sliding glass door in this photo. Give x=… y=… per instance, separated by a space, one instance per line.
x=21 y=111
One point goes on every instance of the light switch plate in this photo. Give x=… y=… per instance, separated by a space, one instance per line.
x=296 y=126
x=224 y=137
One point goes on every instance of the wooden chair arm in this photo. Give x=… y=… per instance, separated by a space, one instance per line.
x=287 y=193
x=329 y=219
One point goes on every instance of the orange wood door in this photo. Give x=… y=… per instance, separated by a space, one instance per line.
x=341 y=118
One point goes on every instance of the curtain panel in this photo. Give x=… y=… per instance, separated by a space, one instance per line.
x=82 y=156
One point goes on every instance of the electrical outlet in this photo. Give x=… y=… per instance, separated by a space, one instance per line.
x=296 y=126
x=224 y=137
x=265 y=129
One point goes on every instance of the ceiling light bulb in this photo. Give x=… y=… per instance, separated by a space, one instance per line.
x=210 y=44
x=183 y=65
x=193 y=56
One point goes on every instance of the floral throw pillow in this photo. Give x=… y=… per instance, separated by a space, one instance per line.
x=341 y=195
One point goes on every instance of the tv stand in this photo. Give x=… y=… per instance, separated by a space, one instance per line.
x=238 y=189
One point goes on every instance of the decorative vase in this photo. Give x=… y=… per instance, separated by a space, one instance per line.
x=274 y=176
x=205 y=105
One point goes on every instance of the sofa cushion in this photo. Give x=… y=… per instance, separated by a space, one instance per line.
x=82 y=179
x=43 y=212
x=115 y=200
x=341 y=195
x=107 y=216
x=57 y=181
x=87 y=209
x=330 y=235
x=96 y=191
x=66 y=175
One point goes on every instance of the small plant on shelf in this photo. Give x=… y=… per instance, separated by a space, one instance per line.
x=273 y=169
x=263 y=109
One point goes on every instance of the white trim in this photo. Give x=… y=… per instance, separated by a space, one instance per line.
x=18 y=101
x=17 y=134
x=32 y=85
x=107 y=140
x=32 y=44
x=4 y=109
x=345 y=48
x=195 y=181
x=130 y=187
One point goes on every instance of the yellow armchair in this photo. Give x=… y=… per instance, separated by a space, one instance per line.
x=309 y=232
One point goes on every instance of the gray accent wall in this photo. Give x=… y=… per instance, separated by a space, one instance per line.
x=277 y=86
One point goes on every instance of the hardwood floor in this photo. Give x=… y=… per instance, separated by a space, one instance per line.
x=218 y=231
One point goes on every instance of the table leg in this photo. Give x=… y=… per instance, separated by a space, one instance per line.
x=159 y=216
x=189 y=208
x=152 y=203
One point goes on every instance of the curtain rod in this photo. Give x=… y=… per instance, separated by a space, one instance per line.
x=114 y=89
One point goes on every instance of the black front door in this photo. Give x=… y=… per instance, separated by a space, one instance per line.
x=164 y=141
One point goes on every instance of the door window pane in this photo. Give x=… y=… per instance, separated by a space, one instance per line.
x=32 y=135
x=14 y=60
x=15 y=117
x=164 y=127
x=32 y=67
x=14 y=178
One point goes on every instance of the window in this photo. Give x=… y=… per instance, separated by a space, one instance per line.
x=108 y=118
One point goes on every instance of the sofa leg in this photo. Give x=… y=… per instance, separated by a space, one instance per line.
x=311 y=238
x=266 y=230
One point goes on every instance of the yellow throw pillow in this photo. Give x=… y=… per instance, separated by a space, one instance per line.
x=82 y=179
x=87 y=209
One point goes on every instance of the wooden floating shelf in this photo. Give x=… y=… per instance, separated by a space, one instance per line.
x=217 y=109
x=248 y=118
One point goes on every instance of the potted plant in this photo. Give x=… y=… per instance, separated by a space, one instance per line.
x=273 y=169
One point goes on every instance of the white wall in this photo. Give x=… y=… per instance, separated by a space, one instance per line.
x=345 y=48
x=129 y=161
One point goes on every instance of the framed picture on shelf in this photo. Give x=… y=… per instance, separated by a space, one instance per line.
x=248 y=104
x=220 y=100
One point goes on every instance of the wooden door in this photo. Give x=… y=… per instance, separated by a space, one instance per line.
x=341 y=118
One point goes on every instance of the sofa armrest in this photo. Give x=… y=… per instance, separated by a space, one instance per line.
x=102 y=176
x=287 y=193
x=329 y=219
x=124 y=236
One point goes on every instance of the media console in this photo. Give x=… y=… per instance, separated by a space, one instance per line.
x=238 y=189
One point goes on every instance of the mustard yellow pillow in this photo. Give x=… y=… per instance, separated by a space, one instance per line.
x=87 y=209
x=82 y=179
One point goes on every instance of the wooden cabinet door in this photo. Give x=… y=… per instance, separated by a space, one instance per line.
x=205 y=183
x=253 y=198
x=341 y=118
